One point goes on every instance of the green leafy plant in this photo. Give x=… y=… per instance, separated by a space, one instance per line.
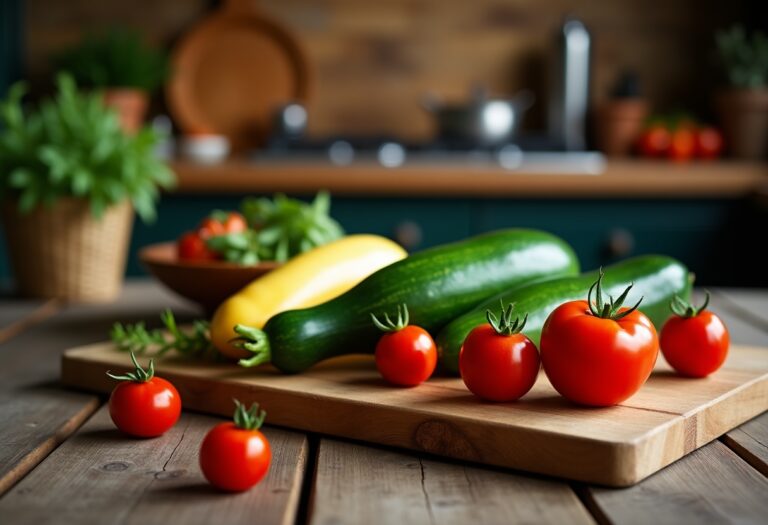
x=73 y=146
x=280 y=228
x=745 y=58
x=115 y=58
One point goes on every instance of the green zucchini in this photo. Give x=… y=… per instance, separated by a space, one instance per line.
x=437 y=285
x=656 y=278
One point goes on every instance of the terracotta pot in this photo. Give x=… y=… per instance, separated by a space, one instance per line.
x=744 y=119
x=619 y=124
x=131 y=106
x=64 y=252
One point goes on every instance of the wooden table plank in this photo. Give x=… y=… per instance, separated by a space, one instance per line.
x=42 y=414
x=711 y=485
x=750 y=307
x=101 y=476
x=19 y=315
x=750 y=441
x=360 y=484
x=751 y=304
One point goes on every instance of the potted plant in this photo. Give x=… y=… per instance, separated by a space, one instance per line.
x=70 y=179
x=120 y=64
x=743 y=107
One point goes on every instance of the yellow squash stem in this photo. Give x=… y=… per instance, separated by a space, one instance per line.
x=306 y=280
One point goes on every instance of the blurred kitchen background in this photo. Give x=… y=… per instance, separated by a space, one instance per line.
x=624 y=126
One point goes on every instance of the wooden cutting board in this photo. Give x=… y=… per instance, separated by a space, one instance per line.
x=618 y=446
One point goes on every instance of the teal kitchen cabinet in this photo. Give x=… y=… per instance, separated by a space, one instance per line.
x=711 y=236
x=698 y=232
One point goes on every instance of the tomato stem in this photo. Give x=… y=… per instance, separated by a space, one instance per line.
x=139 y=375
x=608 y=309
x=389 y=325
x=504 y=324
x=683 y=308
x=255 y=341
x=248 y=419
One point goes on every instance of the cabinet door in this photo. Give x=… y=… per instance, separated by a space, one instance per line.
x=604 y=231
x=414 y=223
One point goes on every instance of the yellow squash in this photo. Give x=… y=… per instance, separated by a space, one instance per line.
x=309 y=279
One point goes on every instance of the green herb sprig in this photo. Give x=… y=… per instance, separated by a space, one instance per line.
x=136 y=338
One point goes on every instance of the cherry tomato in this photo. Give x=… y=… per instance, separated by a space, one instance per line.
x=694 y=341
x=497 y=362
x=406 y=354
x=709 y=143
x=221 y=223
x=683 y=145
x=143 y=405
x=192 y=247
x=598 y=353
x=655 y=141
x=210 y=227
x=235 y=223
x=235 y=456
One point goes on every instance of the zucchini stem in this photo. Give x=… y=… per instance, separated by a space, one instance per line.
x=255 y=341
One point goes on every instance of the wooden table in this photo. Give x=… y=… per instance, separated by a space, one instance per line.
x=62 y=461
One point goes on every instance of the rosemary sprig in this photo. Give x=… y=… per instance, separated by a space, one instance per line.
x=136 y=338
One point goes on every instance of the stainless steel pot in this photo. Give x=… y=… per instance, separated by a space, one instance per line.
x=482 y=121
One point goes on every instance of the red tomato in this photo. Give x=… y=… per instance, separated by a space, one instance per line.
x=405 y=354
x=709 y=143
x=598 y=354
x=211 y=227
x=694 y=341
x=235 y=223
x=192 y=247
x=683 y=145
x=655 y=141
x=236 y=456
x=221 y=223
x=497 y=362
x=143 y=405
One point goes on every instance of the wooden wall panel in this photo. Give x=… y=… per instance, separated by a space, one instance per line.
x=373 y=59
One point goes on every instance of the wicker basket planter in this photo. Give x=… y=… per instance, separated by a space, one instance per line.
x=64 y=252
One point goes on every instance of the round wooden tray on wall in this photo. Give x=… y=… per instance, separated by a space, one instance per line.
x=232 y=72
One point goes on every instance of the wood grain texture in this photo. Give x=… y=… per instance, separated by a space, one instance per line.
x=621 y=179
x=38 y=413
x=16 y=319
x=749 y=305
x=745 y=312
x=35 y=423
x=668 y=418
x=750 y=441
x=359 y=484
x=711 y=485
x=100 y=476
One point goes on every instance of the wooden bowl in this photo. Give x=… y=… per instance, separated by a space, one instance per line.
x=207 y=283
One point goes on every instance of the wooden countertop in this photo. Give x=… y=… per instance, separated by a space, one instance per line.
x=621 y=178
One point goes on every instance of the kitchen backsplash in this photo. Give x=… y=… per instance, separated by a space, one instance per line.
x=372 y=61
